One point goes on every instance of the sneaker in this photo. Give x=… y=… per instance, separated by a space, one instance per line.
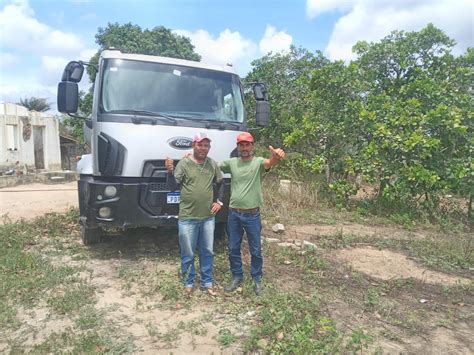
x=258 y=288
x=188 y=290
x=234 y=284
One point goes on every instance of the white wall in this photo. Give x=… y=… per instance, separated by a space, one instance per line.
x=11 y=114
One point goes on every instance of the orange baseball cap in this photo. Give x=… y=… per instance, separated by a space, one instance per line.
x=244 y=137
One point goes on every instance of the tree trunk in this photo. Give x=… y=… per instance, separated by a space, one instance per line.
x=382 y=186
x=470 y=218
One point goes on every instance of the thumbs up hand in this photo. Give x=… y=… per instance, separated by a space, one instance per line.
x=169 y=165
x=277 y=153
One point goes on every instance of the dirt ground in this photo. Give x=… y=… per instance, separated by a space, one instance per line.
x=33 y=200
x=142 y=315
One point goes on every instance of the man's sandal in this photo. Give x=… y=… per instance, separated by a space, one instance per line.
x=211 y=292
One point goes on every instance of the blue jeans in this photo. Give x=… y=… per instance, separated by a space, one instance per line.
x=237 y=223
x=196 y=233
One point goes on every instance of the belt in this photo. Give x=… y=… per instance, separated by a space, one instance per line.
x=246 y=210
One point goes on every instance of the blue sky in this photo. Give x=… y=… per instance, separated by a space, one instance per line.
x=37 y=38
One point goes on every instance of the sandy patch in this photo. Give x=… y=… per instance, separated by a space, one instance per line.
x=304 y=231
x=386 y=265
x=34 y=200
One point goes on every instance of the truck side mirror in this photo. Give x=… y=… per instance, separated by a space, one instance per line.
x=262 y=113
x=262 y=109
x=68 y=97
x=68 y=90
x=73 y=72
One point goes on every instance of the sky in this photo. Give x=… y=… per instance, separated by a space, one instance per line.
x=39 y=37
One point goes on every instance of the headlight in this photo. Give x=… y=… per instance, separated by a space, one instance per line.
x=110 y=191
x=105 y=212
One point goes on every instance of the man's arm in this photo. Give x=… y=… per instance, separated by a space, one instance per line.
x=218 y=191
x=173 y=185
x=277 y=155
x=224 y=166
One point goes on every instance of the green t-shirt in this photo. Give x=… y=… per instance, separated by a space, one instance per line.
x=246 y=185
x=197 y=192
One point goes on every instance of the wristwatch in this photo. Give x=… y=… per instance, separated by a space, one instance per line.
x=220 y=202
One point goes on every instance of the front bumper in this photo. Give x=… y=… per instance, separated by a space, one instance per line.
x=137 y=203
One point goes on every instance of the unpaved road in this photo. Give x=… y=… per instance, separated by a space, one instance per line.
x=33 y=200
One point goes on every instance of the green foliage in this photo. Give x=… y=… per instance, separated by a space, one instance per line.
x=75 y=126
x=25 y=274
x=290 y=324
x=399 y=115
x=359 y=340
x=286 y=77
x=225 y=337
x=35 y=104
x=372 y=297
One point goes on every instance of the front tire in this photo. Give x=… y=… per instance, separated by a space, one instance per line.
x=90 y=235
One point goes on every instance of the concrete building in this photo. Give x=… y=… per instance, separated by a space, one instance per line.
x=28 y=140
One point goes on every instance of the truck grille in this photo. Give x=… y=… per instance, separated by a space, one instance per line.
x=155 y=168
x=158 y=186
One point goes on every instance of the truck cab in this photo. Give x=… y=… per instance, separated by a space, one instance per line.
x=145 y=109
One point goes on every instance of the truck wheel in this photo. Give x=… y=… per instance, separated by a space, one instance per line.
x=90 y=235
x=220 y=231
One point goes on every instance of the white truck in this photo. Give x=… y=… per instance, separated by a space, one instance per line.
x=145 y=109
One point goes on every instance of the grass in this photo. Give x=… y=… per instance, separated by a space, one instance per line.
x=309 y=304
x=293 y=323
x=32 y=276
x=225 y=337
x=89 y=342
x=25 y=273
x=73 y=299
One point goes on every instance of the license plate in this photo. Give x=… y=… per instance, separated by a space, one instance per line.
x=172 y=198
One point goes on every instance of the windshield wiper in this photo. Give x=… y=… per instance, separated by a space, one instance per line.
x=153 y=115
x=222 y=124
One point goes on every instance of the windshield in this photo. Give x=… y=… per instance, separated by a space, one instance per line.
x=171 y=90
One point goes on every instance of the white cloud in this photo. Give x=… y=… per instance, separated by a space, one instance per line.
x=87 y=54
x=274 y=41
x=21 y=31
x=35 y=53
x=52 y=69
x=372 y=20
x=7 y=59
x=228 y=48
x=231 y=48
x=317 y=7
x=13 y=93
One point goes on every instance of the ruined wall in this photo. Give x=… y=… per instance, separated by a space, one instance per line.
x=19 y=130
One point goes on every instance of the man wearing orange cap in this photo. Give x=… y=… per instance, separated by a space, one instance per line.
x=194 y=177
x=244 y=208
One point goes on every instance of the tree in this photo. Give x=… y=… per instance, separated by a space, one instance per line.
x=417 y=105
x=35 y=104
x=400 y=115
x=287 y=77
x=130 y=38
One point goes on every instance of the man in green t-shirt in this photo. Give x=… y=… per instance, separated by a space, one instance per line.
x=194 y=177
x=246 y=199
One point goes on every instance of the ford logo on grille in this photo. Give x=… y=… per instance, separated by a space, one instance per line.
x=180 y=142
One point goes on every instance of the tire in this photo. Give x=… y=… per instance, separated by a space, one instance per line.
x=90 y=235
